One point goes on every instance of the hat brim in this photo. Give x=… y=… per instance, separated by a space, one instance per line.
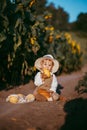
x=55 y=67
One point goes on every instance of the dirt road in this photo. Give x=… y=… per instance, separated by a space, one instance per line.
x=58 y=115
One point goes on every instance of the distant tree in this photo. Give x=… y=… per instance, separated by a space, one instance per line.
x=63 y=18
x=60 y=17
x=81 y=23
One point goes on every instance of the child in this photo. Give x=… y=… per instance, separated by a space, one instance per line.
x=45 y=80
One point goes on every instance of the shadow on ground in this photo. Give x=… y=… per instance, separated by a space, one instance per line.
x=76 y=115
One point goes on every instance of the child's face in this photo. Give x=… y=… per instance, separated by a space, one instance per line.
x=47 y=64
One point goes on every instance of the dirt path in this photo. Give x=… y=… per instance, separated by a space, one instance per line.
x=46 y=115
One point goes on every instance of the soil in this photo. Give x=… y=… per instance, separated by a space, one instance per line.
x=69 y=114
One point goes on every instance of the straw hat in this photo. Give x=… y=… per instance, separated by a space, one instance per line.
x=56 y=63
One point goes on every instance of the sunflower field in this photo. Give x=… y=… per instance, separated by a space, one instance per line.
x=25 y=36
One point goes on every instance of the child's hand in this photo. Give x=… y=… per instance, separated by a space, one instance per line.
x=50 y=91
x=44 y=76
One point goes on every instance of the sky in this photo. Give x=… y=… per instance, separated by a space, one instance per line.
x=72 y=7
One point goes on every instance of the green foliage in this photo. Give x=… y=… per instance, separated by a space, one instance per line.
x=82 y=85
x=17 y=48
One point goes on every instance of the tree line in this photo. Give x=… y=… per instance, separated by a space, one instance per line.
x=60 y=18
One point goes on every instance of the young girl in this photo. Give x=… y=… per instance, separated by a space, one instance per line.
x=45 y=80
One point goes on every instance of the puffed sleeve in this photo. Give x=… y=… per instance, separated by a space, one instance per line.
x=54 y=83
x=37 y=79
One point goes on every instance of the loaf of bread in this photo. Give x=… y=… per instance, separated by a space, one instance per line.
x=46 y=72
x=44 y=93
